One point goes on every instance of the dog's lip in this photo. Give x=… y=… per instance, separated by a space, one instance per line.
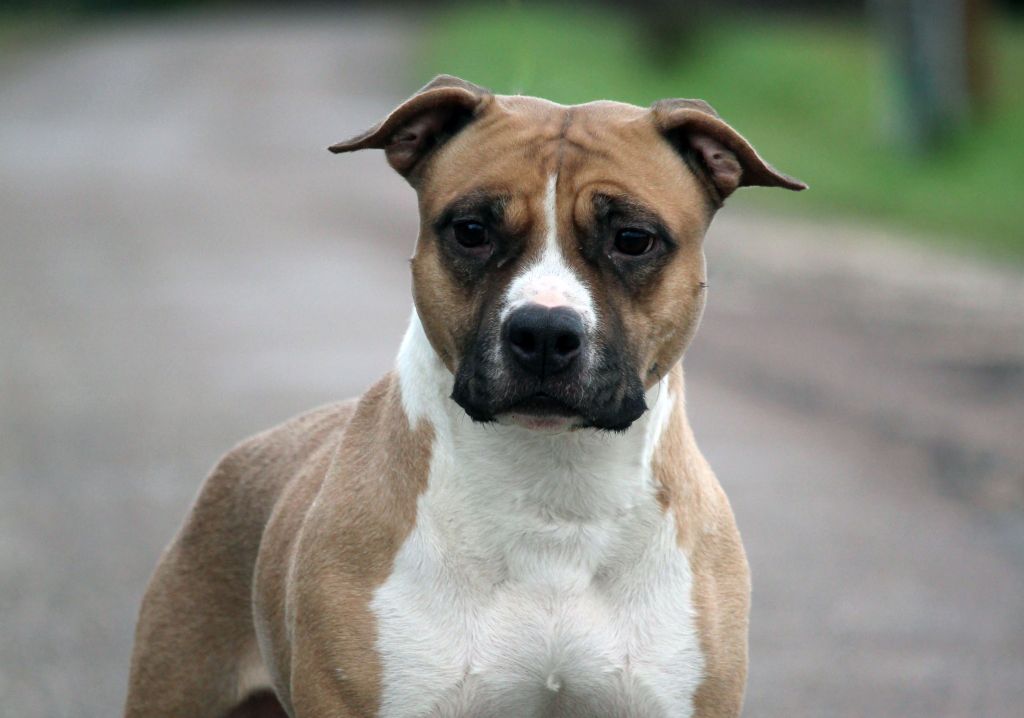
x=541 y=412
x=542 y=405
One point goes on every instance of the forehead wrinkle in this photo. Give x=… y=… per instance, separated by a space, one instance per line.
x=563 y=131
x=654 y=176
x=594 y=150
x=552 y=239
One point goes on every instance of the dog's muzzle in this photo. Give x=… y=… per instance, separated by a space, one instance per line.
x=541 y=362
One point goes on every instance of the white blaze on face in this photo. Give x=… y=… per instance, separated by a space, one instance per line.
x=550 y=281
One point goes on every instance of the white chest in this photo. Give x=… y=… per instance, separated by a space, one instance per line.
x=541 y=579
x=571 y=620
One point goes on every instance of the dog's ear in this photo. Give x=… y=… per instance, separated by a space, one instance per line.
x=719 y=155
x=421 y=123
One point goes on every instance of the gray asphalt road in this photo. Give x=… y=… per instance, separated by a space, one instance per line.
x=183 y=265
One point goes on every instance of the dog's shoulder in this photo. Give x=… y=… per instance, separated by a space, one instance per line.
x=374 y=476
x=335 y=530
x=707 y=534
x=280 y=453
x=346 y=475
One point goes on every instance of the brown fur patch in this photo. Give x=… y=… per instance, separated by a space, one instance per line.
x=305 y=520
x=721 y=577
x=195 y=625
x=338 y=546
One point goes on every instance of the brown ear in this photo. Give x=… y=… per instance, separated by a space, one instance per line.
x=714 y=150
x=421 y=123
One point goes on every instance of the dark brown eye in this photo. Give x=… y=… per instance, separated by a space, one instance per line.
x=633 y=242
x=471 y=235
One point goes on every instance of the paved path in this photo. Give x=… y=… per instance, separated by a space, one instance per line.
x=182 y=264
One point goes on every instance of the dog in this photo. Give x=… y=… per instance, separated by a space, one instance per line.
x=516 y=520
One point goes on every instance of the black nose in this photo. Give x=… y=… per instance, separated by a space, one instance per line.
x=544 y=341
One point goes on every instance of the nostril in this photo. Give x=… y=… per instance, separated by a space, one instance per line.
x=567 y=343
x=523 y=339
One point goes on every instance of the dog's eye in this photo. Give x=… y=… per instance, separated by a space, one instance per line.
x=633 y=242
x=470 y=234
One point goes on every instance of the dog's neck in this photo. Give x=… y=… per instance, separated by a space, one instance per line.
x=501 y=470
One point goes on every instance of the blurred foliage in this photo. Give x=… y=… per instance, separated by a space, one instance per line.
x=101 y=6
x=807 y=94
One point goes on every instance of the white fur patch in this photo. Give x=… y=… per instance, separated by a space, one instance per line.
x=542 y=577
x=422 y=376
x=550 y=281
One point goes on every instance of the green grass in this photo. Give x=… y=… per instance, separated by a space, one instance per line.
x=808 y=95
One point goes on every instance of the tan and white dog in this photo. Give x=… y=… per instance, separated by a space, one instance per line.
x=516 y=521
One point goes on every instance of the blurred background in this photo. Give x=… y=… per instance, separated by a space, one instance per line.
x=183 y=264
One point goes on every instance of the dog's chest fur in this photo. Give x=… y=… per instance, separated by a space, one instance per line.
x=542 y=578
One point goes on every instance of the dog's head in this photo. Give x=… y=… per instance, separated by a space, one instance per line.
x=559 y=271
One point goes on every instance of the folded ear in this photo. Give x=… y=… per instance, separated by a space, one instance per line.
x=421 y=123
x=714 y=150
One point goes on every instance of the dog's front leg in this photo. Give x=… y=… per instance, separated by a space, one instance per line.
x=189 y=643
x=334 y=669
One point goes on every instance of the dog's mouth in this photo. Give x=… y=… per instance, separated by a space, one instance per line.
x=609 y=407
x=542 y=412
x=541 y=404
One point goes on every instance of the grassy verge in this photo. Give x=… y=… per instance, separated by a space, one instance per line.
x=808 y=95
